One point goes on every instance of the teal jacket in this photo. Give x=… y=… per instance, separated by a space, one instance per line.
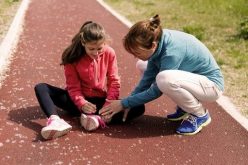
x=176 y=51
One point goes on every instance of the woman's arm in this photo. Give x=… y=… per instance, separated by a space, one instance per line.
x=147 y=79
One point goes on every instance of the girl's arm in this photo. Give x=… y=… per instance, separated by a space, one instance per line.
x=113 y=79
x=73 y=85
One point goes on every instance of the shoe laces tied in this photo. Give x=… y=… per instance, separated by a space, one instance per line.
x=100 y=120
x=192 y=120
x=102 y=123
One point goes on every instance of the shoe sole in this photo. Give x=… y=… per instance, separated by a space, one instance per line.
x=198 y=130
x=52 y=134
x=89 y=123
x=178 y=119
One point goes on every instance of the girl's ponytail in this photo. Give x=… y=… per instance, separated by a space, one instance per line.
x=74 y=51
x=89 y=32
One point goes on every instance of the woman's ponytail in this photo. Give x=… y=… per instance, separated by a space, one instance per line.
x=154 y=22
x=143 y=34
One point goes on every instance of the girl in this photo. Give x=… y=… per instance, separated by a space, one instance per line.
x=179 y=66
x=91 y=73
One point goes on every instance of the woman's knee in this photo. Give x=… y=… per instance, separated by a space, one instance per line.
x=141 y=66
x=165 y=80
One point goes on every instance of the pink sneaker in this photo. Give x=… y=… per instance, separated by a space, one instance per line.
x=91 y=122
x=56 y=127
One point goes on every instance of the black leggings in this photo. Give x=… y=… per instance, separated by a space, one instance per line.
x=51 y=97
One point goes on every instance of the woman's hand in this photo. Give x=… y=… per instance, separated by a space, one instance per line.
x=89 y=108
x=114 y=107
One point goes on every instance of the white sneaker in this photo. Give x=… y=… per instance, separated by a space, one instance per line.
x=91 y=122
x=56 y=127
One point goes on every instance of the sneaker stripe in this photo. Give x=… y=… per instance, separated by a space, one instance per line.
x=87 y=126
x=51 y=134
x=55 y=133
x=54 y=130
x=179 y=118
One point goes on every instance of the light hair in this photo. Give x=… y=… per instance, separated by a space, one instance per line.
x=143 y=34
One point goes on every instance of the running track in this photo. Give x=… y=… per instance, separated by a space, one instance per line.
x=48 y=28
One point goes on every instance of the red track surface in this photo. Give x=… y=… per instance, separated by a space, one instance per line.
x=49 y=27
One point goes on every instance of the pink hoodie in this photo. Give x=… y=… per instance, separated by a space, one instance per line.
x=93 y=77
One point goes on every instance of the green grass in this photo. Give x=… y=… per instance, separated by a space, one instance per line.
x=8 y=9
x=215 y=22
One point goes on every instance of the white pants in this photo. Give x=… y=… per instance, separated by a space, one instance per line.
x=187 y=90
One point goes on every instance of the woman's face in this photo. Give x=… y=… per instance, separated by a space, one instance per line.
x=95 y=48
x=143 y=53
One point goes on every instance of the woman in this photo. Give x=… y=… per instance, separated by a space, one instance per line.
x=179 y=66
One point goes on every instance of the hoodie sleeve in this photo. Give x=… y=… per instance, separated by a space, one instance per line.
x=146 y=91
x=113 y=79
x=73 y=85
x=146 y=96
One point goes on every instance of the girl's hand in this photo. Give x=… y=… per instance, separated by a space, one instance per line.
x=114 y=107
x=89 y=108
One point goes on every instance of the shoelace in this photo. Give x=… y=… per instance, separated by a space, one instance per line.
x=100 y=120
x=192 y=120
x=49 y=121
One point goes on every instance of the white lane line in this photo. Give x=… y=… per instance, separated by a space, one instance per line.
x=10 y=41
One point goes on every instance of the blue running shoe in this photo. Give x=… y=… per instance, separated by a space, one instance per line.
x=178 y=115
x=193 y=124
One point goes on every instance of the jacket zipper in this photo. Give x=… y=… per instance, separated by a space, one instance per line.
x=96 y=79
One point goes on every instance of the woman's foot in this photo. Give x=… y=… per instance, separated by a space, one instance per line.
x=178 y=115
x=193 y=124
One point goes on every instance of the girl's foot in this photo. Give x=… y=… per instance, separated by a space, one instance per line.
x=56 y=127
x=91 y=122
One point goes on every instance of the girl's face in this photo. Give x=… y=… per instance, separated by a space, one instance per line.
x=143 y=53
x=94 y=48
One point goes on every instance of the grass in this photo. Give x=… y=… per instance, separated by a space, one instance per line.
x=8 y=9
x=215 y=22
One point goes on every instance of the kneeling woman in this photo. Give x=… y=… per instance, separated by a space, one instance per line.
x=179 y=66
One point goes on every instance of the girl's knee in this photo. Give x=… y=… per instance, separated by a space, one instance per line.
x=40 y=87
